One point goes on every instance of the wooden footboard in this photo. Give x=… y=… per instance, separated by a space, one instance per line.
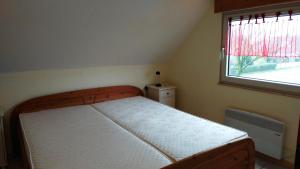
x=236 y=155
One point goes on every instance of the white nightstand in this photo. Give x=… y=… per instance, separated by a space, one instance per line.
x=164 y=94
x=3 y=159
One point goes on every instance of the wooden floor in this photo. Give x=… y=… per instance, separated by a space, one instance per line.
x=264 y=164
x=260 y=164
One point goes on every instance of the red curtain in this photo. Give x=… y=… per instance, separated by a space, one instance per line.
x=257 y=35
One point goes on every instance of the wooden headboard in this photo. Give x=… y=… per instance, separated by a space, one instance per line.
x=72 y=98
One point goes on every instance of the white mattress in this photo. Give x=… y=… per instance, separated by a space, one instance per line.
x=175 y=133
x=82 y=138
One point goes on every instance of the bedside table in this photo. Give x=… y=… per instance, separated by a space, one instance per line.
x=3 y=159
x=163 y=94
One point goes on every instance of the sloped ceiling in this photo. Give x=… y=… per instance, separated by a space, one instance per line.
x=50 y=34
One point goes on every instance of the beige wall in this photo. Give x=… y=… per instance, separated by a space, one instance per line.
x=194 y=69
x=17 y=87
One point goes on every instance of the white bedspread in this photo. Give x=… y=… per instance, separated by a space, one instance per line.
x=177 y=134
x=82 y=138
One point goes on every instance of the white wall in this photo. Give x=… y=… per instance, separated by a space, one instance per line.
x=50 y=34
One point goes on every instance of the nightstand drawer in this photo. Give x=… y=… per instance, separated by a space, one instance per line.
x=170 y=101
x=167 y=93
x=162 y=94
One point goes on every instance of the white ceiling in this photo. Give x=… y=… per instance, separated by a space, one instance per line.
x=49 y=34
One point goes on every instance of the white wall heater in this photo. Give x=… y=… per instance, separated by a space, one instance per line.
x=267 y=133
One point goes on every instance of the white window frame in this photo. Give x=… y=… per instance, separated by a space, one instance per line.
x=255 y=84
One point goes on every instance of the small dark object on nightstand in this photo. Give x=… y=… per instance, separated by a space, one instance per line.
x=158 y=79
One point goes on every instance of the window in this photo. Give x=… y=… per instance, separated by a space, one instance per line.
x=262 y=51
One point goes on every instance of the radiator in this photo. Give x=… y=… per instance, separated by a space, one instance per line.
x=266 y=132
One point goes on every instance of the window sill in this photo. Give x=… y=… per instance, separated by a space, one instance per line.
x=260 y=89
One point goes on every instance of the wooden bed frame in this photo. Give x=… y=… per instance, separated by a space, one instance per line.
x=236 y=155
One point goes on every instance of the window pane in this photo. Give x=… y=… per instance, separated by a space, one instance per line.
x=282 y=70
x=265 y=49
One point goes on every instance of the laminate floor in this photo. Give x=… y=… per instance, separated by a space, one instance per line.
x=260 y=164
x=264 y=164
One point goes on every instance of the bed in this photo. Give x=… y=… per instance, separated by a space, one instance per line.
x=115 y=127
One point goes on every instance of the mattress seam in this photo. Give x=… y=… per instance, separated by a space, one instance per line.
x=143 y=140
